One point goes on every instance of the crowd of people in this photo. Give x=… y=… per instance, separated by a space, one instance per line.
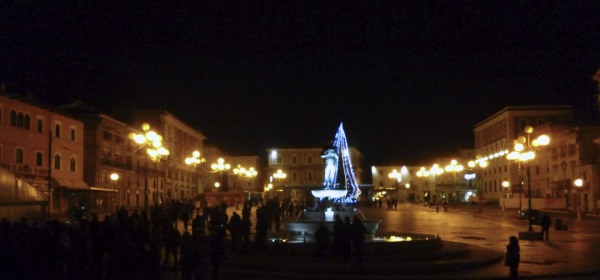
x=131 y=245
x=135 y=245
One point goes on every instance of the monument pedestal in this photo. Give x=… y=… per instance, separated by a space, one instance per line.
x=530 y=235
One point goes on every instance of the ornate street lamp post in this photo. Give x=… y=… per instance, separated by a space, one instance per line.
x=505 y=185
x=436 y=170
x=454 y=167
x=480 y=164
x=397 y=178
x=114 y=177
x=423 y=173
x=152 y=141
x=579 y=184
x=194 y=161
x=221 y=166
x=524 y=151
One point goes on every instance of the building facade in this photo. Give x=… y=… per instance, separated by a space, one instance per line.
x=44 y=148
x=304 y=170
x=494 y=139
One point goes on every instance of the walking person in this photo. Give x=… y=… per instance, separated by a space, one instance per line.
x=546 y=222
x=513 y=257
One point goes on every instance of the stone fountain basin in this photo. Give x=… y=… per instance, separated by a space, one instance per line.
x=309 y=227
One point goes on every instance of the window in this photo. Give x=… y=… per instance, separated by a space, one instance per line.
x=27 y=122
x=72 y=164
x=19 y=155
x=294 y=159
x=39 y=159
x=57 y=130
x=13 y=118
x=72 y=134
x=57 y=162
x=309 y=159
x=107 y=135
x=278 y=160
x=40 y=126
x=19 y=119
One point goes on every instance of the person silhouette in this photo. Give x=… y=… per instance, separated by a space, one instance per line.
x=513 y=257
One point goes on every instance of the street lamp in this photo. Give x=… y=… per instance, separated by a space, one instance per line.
x=397 y=177
x=114 y=177
x=579 y=184
x=247 y=173
x=524 y=151
x=152 y=141
x=454 y=167
x=505 y=185
x=220 y=166
x=194 y=161
x=217 y=185
x=436 y=170
x=423 y=173
x=479 y=164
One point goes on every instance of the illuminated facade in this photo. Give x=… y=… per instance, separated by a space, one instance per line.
x=494 y=139
x=43 y=147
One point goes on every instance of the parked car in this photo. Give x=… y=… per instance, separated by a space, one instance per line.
x=536 y=215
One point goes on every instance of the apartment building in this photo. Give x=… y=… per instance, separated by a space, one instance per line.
x=178 y=180
x=45 y=149
x=494 y=138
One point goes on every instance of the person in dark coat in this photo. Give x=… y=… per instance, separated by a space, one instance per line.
x=546 y=222
x=358 y=238
x=322 y=239
x=513 y=257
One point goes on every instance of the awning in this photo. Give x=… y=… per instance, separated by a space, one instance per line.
x=74 y=184
x=98 y=189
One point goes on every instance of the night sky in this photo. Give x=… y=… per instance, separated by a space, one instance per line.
x=409 y=79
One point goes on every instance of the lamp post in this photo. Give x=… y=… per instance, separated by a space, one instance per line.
x=454 y=167
x=114 y=177
x=217 y=185
x=245 y=173
x=194 y=161
x=579 y=184
x=524 y=151
x=479 y=164
x=221 y=166
x=397 y=177
x=423 y=173
x=152 y=141
x=505 y=185
x=566 y=184
x=436 y=170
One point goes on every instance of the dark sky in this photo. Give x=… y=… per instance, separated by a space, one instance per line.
x=409 y=79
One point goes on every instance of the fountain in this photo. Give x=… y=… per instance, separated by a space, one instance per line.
x=333 y=199
x=390 y=255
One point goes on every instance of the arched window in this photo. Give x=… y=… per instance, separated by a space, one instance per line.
x=72 y=164
x=57 y=162
x=27 y=122
x=39 y=159
x=20 y=119
x=13 y=118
